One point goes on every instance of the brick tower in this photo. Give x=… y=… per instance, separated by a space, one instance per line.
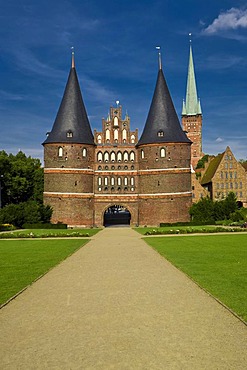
x=69 y=159
x=164 y=162
x=192 y=114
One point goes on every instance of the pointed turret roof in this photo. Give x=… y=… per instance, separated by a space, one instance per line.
x=71 y=124
x=192 y=105
x=162 y=125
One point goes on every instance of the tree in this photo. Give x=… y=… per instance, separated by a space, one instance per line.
x=230 y=205
x=206 y=209
x=21 y=178
x=30 y=212
x=203 y=210
x=201 y=162
x=22 y=185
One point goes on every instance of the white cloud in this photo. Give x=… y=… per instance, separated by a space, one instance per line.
x=219 y=140
x=229 y=20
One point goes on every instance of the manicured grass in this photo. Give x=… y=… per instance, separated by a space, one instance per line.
x=217 y=263
x=46 y=233
x=23 y=261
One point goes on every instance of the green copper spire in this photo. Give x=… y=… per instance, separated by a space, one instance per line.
x=192 y=105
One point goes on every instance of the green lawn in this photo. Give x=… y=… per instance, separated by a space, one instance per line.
x=23 y=261
x=217 y=263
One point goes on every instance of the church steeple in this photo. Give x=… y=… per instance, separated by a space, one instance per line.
x=192 y=114
x=162 y=125
x=192 y=105
x=71 y=124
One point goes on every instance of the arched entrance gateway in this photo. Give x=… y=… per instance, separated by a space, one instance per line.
x=116 y=215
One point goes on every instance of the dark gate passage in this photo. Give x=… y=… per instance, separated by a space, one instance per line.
x=117 y=215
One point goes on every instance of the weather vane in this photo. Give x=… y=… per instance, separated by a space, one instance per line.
x=160 y=64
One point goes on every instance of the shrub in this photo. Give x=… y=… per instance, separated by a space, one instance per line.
x=236 y=216
x=44 y=226
x=191 y=223
x=25 y=212
x=7 y=227
x=207 y=209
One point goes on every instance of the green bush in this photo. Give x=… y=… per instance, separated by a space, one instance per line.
x=236 y=216
x=44 y=226
x=191 y=223
x=207 y=209
x=7 y=227
x=25 y=212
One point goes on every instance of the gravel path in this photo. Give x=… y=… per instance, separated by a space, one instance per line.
x=117 y=304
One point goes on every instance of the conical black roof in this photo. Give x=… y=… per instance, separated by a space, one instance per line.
x=162 y=125
x=71 y=124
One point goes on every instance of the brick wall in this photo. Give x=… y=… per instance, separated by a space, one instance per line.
x=72 y=156
x=71 y=210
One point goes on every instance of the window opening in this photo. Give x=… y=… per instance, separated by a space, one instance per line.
x=60 y=151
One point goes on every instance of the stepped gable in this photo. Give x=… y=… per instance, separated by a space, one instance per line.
x=71 y=124
x=162 y=125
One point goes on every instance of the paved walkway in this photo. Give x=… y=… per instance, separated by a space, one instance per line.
x=117 y=304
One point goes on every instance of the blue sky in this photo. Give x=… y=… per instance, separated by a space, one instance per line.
x=116 y=59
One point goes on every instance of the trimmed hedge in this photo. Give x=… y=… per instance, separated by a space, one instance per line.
x=44 y=226
x=191 y=223
x=194 y=231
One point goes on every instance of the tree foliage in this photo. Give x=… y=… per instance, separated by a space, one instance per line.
x=207 y=209
x=201 y=162
x=22 y=185
x=21 y=178
x=30 y=212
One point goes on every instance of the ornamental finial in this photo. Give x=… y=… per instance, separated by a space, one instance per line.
x=72 y=57
x=159 y=54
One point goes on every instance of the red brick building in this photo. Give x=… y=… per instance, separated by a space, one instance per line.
x=89 y=177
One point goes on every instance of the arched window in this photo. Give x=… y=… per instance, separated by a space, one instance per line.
x=112 y=181
x=60 y=151
x=99 y=156
x=132 y=181
x=106 y=181
x=119 y=157
x=99 y=181
x=119 y=181
x=132 y=139
x=99 y=139
x=106 y=156
x=115 y=122
x=126 y=181
x=132 y=156
x=84 y=152
x=142 y=154
x=113 y=156
x=124 y=134
x=162 y=152
x=115 y=134
x=107 y=134
x=125 y=156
